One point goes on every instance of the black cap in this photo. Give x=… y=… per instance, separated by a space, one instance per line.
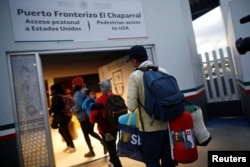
x=138 y=52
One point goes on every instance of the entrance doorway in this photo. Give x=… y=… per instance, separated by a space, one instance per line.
x=62 y=68
x=32 y=74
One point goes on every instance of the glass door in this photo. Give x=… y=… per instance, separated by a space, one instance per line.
x=30 y=111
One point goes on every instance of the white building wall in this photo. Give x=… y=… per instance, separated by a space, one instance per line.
x=233 y=11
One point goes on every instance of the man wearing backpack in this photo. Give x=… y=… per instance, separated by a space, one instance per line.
x=154 y=133
x=108 y=131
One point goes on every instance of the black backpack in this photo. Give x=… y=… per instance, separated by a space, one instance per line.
x=163 y=99
x=115 y=107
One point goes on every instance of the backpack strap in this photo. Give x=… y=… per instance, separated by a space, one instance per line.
x=147 y=68
x=144 y=69
x=142 y=124
x=153 y=118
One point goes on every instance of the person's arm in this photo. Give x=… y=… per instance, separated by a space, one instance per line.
x=97 y=106
x=96 y=109
x=84 y=104
x=133 y=92
x=78 y=97
x=87 y=104
x=56 y=105
x=93 y=116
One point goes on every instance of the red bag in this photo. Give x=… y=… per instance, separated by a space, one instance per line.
x=182 y=139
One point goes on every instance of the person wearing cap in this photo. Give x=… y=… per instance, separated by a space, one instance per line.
x=108 y=132
x=153 y=133
x=82 y=116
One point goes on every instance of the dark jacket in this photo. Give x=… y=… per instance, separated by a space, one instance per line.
x=57 y=107
x=98 y=114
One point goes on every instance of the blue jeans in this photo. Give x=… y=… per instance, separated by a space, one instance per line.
x=156 y=149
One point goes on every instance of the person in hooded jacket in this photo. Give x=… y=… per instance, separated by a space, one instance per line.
x=108 y=132
x=82 y=116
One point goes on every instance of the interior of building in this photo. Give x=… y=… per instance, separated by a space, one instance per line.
x=62 y=68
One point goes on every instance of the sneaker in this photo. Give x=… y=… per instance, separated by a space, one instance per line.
x=66 y=149
x=71 y=150
x=89 y=154
x=110 y=163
